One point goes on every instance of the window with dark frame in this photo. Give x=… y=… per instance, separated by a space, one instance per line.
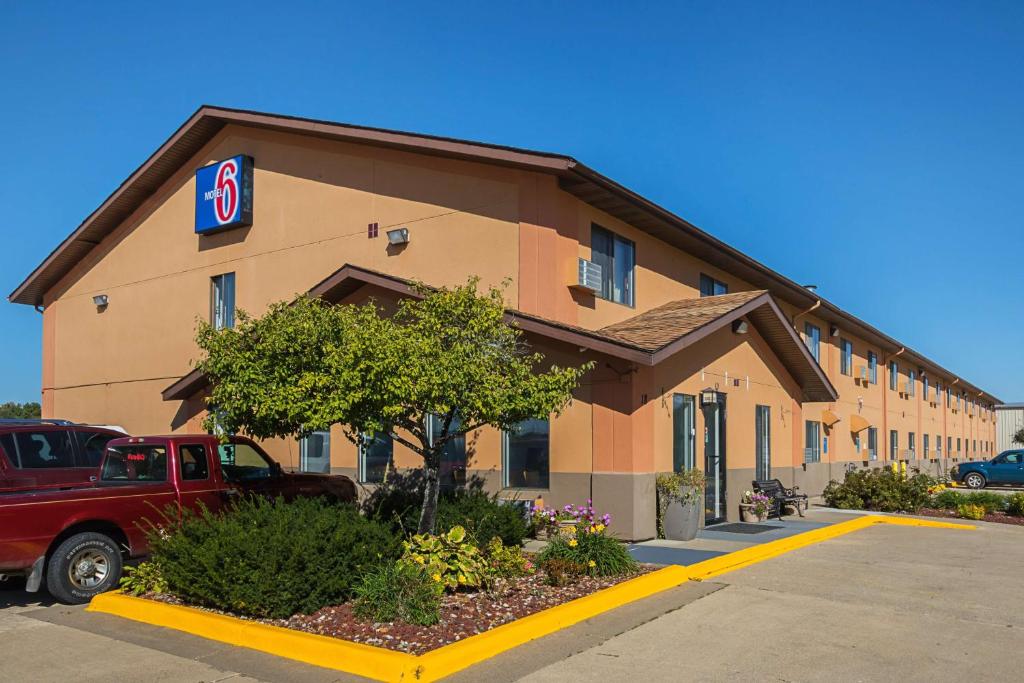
x=872 y=367
x=222 y=301
x=709 y=286
x=846 y=357
x=812 y=337
x=617 y=258
x=526 y=451
x=376 y=456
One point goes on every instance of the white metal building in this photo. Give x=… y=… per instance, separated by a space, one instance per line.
x=1009 y=419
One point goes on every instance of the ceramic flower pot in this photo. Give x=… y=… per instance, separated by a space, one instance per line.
x=747 y=514
x=681 y=520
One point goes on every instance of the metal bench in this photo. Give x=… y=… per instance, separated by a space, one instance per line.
x=781 y=497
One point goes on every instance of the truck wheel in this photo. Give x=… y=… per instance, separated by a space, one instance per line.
x=82 y=567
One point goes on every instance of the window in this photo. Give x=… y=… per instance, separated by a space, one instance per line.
x=926 y=450
x=894 y=375
x=911 y=382
x=938 y=392
x=949 y=399
x=617 y=258
x=527 y=455
x=763 y=442
x=846 y=357
x=958 y=449
x=938 y=446
x=812 y=337
x=376 y=455
x=872 y=367
x=453 y=457
x=315 y=452
x=709 y=286
x=812 y=441
x=924 y=383
x=135 y=464
x=856 y=443
x=39 y=450
x=91 y=446
x=949 y=446
x=683 y=432
x=872 y=443
x=222 y=301
x=974 y=446
x=242 y=462
x=193 y=462
x=894 y=445
x=911 y=445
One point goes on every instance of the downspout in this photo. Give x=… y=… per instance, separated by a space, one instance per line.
x=885 y=401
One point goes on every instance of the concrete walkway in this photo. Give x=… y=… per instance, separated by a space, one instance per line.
x=883 y=604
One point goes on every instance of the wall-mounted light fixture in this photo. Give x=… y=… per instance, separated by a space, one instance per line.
x=398 y=236
x=101 y=300
x=740 y=326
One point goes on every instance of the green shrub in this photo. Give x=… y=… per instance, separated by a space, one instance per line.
x=951 y=500
x=506 y=561
x=880 y=489
x=397 y=591
x=596 y=553
x=1015 y=505
x=450 y=559
x=271 y=558
x=482 y=516
x=947 y=500
x=143 y=578
x=970 y=511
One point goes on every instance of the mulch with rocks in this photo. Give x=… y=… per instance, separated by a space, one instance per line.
x=463 y=614
x=997 y=517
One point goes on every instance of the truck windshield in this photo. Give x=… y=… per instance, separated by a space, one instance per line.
x=136 y=463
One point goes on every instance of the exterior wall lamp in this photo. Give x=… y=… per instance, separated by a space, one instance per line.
x=740 y=327
x=101 y=300
x=398 y=236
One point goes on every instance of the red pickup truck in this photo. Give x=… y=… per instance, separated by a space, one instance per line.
x=77 y=539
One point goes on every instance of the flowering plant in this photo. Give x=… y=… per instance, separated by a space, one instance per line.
x=578 y=516
x=759 y=503
x=449 y=559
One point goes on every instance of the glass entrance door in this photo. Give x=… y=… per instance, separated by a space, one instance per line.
x=763 y=445
x=682 y=432
x=714 y=457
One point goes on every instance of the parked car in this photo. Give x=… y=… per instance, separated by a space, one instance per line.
x=1005 y=468
x=48 y=454
x=77 y=539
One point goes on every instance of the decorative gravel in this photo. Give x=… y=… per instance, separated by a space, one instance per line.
x=462 y=614
x=998 y=517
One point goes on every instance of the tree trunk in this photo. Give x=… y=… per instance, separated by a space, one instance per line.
x=428 y=514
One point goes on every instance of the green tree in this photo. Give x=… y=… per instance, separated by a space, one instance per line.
x=307 y=365
x=20 y=411
x=1019 y=436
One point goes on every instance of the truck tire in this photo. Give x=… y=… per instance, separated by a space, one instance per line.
x=82 y=567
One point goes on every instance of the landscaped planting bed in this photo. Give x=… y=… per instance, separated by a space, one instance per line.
x=333 y=571
x=998 y=517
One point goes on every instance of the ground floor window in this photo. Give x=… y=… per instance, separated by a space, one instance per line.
x=527 y=455
x=315 y=453
x=375 y=457
x=911 y=445
x=938 y=446
x=926 y=444
x=872 y=443
x=812 y=441
x=453 y=457
x=763 y=442
x=894 y=445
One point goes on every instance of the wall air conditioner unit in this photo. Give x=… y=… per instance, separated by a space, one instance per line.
x=588 y=277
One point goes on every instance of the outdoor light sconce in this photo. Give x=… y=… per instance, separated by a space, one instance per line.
x=833 y=330
x=101 y=301
x=398 y=236
x=739 y=326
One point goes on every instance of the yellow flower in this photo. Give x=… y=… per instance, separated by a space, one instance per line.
x=573 y=543
x=599 y=527
x=419 y=558
x=436 y=577
x=591 y=564
x=462 y=578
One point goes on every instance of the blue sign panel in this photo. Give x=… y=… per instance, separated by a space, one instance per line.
x=224 y=195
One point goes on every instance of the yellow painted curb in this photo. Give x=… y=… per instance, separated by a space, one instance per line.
x=387 y=665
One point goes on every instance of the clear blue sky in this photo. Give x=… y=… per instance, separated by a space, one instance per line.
x=891 y=132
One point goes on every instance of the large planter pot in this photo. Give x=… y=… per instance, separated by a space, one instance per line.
x=747 y=513
x=681 y=520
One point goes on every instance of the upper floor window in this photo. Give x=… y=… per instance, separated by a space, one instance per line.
x=846 y=358
x=872 y=367
x=812 y=337
x=911 y=382
x=924 y=384
x=222 y=301
x=617 y=258
x=894 y=375
x=709 y=286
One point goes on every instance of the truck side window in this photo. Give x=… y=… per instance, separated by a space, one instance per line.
x=42 y=450
x=135 y=464
x=193 y=462
x=242 y=462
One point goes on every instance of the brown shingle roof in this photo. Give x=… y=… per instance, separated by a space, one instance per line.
x=663 y=325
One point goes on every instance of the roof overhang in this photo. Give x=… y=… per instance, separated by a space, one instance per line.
x=762 y=312
x=574 y=177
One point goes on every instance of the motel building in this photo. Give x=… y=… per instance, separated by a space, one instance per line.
x=703 y=356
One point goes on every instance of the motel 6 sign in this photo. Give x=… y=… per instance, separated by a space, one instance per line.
x=224 y=195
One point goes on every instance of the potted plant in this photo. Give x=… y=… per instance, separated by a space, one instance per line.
x=679 y=496
x=755 y=507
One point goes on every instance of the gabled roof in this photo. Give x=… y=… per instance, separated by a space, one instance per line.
x=574 y=177
x=647 y=339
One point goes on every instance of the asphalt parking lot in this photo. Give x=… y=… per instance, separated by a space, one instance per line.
x=885 y=603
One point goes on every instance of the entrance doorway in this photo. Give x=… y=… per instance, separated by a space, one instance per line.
x=713 y=405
